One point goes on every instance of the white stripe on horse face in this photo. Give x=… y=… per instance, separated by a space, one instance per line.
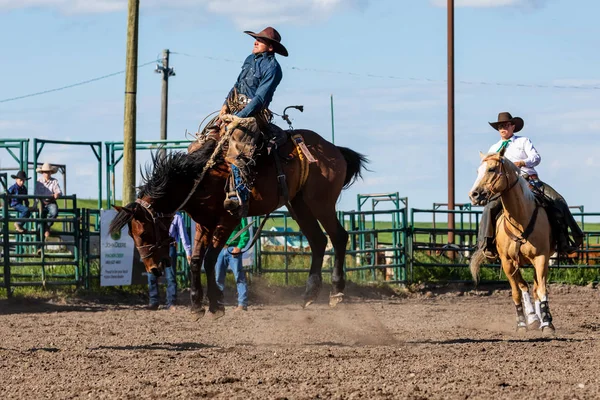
x=480 y=174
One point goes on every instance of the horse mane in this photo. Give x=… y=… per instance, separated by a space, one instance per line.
x=162 y=170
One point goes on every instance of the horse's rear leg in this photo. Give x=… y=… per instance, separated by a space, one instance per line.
x=318 y=241
x=510 y=269
x=533 y=321
x=339 y=240
x=542 y=309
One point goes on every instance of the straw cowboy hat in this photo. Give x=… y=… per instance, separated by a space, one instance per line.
x=272 y=37
x=47 y=167
x=506 y=117
x=20 y=175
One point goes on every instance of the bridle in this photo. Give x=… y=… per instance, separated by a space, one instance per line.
x=146 y=251
x=501 y=173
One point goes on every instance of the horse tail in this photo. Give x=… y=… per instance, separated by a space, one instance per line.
x=476 y=260
x=355 y=164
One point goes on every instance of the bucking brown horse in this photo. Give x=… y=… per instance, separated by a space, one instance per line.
x=195 y=183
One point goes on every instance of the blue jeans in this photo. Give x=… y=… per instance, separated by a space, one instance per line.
x=234 y=262
x=49 y=211
x=170 y=276
x=23 y=212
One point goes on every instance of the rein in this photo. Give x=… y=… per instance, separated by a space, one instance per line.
x=522 y=239
x=495 y=195
x=254 y=237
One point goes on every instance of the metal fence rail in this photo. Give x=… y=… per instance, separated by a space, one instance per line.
x=383 y=245
x=31 y=260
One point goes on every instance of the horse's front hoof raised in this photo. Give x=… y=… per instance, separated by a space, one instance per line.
x=335 y=299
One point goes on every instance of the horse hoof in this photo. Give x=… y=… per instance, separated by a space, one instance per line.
x=307 y=303
x=521 y=329
x=197 y=314
x=335 y=299
x=549 y=331
x=215 y=315
x=533 y=326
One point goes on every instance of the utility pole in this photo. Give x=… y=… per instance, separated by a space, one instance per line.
x=166 y=72
x=450 y=120
x=332 y=124
x=129 y=134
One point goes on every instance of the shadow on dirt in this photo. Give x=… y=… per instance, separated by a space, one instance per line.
x=184 y=346
x=471 y=341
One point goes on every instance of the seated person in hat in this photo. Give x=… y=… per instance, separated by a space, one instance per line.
x=520 y=150
x=250 y=97
x=20 y=205
x=47 y=185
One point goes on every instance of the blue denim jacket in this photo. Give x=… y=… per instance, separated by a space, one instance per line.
x=16 y=189
x=258 y=80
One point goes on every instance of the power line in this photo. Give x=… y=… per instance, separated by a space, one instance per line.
x=72 y=85
x=428 y=80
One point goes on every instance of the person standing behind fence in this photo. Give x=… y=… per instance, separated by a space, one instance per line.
x=176 y=231
x=231 y=256
x=46 y=185
x=20 y=205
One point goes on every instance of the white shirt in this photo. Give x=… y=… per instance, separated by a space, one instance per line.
x=47 y=187
x=520 y=148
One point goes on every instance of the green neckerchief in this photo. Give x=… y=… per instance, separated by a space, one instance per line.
x=503 y=145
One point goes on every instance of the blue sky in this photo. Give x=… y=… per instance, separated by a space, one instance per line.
x=384 y=62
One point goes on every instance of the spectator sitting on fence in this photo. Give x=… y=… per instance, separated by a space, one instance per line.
x=231 y=256
x=47 y=185
x=20 y=205
x=176 y=231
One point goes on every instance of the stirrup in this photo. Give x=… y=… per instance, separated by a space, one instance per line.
x=232 y=201
x=489 y=254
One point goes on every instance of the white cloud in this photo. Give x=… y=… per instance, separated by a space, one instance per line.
x=491 y=3
x=245 y=13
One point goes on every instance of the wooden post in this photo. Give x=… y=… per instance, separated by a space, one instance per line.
x=129 y=134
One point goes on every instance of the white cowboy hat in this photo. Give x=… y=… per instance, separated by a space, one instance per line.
x=47 y=167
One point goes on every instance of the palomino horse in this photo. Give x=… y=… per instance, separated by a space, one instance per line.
x=195 y=183
x=523 y=235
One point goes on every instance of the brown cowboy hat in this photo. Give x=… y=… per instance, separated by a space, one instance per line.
x=506 y=117
x=272 y=37
x=20 y=175
x=47 y=167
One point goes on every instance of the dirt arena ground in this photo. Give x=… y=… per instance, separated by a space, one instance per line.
x=448 y=344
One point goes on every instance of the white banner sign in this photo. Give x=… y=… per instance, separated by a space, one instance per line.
x=116 y=253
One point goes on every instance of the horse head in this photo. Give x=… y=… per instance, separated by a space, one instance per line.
x=150 y=232
x=495 y=175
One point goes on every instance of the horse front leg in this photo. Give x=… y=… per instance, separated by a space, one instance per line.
x=510 y=268
x=533 y=321
x=199 y=250
x=216 y=306
x=542 y=308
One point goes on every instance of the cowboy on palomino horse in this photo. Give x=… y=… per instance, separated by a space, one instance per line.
x=250 y=97
x=520 y=150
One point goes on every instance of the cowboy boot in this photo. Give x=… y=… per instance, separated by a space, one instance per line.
x=236 y=199
x=490 y=249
